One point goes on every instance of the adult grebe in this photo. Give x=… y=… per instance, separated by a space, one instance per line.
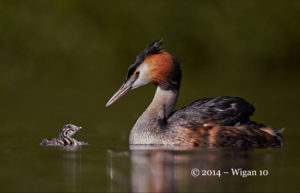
x=214 y=122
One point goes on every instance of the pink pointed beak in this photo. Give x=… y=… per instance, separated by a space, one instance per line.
x=124 y=89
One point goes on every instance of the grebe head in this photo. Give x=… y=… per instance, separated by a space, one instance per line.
x=152 y=65
x=68 y=130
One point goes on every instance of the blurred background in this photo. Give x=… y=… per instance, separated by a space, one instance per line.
x=60 y=62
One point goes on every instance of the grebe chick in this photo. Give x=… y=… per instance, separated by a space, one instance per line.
x=65 y=137
x=214 y=122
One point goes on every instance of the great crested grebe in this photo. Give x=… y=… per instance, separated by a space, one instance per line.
x=214 y=122
x=65 y=137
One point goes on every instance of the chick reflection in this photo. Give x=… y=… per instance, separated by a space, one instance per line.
x=71 y=167
x=167 y=170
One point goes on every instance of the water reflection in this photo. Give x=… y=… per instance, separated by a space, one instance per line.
x=71 y=167
x=152 y=169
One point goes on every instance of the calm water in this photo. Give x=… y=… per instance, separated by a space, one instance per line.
x=112 y=167
x=62 y=60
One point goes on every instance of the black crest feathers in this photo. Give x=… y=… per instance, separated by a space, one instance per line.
x=153 y=48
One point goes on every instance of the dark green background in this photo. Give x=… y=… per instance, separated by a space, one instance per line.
x=60 y=61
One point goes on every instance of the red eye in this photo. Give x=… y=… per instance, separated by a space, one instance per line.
x=137 y=73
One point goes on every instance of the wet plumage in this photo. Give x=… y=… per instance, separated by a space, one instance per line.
x=221 y=111
x=221 y=121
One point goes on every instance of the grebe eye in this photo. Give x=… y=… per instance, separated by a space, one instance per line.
x=137 y=73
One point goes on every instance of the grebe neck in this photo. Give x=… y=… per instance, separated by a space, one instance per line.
x=145 y=130
x=66 y=139
x=163 y=103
